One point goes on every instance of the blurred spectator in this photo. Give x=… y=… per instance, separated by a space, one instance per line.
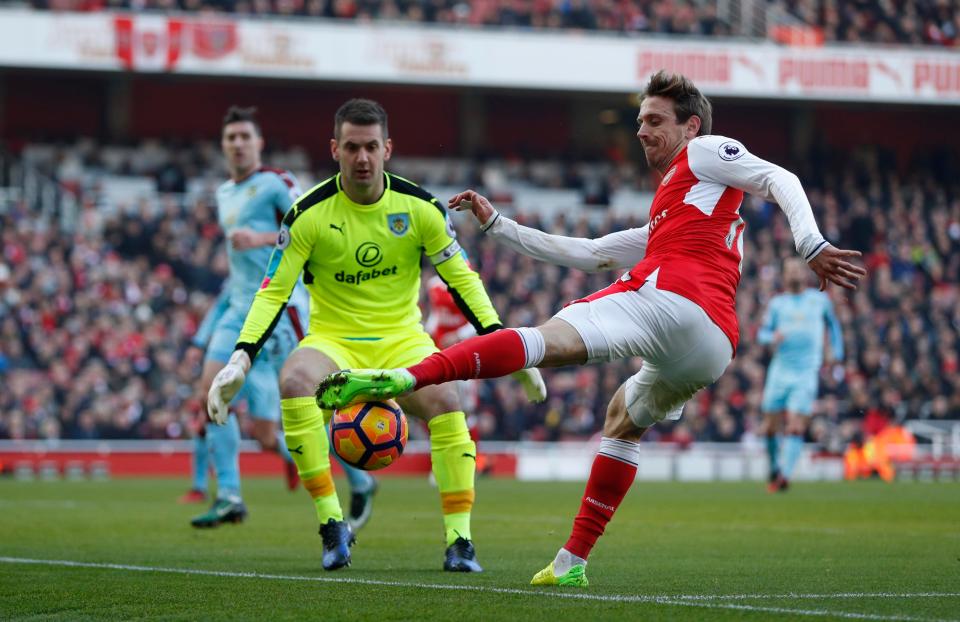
x=914 y=22
x=692 y=17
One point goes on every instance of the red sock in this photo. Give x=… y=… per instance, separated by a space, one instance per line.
x=610 y=479
x=487 y=356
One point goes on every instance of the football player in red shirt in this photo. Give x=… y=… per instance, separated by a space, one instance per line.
x=674 y=307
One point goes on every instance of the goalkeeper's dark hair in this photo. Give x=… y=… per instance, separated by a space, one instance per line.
x=360 y=112
x=237 y=114
x=687 y=98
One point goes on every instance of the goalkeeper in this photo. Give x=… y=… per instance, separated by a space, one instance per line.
x=358 y=237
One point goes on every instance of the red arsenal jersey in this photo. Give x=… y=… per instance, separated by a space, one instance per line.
x=695 y=247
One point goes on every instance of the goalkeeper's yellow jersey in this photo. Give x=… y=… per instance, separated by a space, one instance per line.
x=361 y=265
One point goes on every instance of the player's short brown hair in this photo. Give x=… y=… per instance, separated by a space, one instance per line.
x=360 y=112
x=687 y=98
x=237 y=114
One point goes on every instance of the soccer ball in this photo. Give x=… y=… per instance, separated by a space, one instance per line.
x=369 y=435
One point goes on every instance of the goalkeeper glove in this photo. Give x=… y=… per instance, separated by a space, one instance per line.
x=532 y=383
x=226 y=384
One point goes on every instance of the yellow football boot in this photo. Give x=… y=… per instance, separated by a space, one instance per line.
x=575 y=577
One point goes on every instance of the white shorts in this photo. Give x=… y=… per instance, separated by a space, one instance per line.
x=682 y=349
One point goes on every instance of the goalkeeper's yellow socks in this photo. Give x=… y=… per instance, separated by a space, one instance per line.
x=454 y=458
x=306 y=437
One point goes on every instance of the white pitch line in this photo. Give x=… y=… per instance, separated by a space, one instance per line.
x=679 y=600
x=819 y=596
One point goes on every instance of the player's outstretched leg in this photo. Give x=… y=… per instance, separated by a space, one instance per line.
x=351 y=386
x=488 y=356
x=229 y=507
x=306 y=438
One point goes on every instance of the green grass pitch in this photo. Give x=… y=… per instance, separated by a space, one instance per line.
x=675 y=551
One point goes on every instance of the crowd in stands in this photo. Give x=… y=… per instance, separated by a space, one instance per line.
x=664 y=16
x=913 y=22
x=916 y=22
x=95 y=322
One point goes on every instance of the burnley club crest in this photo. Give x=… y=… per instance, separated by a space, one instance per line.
x=398 y=223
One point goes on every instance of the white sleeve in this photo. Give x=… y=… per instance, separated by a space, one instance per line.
x=726 y=161
x=618 y=250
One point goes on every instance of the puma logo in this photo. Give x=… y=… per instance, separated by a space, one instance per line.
x=340 y=228
x=296 y=450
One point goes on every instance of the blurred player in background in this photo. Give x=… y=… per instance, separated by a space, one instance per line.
x=358 y=238
x=250 y=207
x=793 y=325
x=674 y=308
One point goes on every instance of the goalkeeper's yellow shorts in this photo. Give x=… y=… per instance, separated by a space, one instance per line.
x=390 y=352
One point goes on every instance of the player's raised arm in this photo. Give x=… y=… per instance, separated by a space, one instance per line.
x=726 y=161
x=617 y=250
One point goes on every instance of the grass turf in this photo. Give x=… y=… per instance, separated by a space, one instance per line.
x=688 y=547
